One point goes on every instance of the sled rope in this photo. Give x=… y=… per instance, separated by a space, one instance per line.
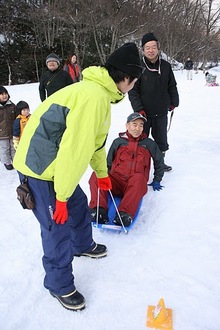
x=97 y=213
x=171 y=117
x=113 y=201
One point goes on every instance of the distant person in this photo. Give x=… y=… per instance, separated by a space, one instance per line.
x=65 y=134
x=129 y=163
x=189 y=68
x=7 y=117
x=23 y=111
x=54 y=78
x=73 y=68
x=155 y=93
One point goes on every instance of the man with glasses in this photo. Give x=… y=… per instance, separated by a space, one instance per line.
x=54 y=78
x=155 y=93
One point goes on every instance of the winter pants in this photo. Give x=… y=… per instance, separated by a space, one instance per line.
x=131 y=191
x=189 y=74
x=61 y=242
x=7 y=151
x=158 y=127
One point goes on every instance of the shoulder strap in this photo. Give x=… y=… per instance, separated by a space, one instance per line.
x=53 y=77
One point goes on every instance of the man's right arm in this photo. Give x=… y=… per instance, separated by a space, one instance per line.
x=42 y=90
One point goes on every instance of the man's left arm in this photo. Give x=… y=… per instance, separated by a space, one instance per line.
x=79 y=148
x=158 y=159
x=98 y=161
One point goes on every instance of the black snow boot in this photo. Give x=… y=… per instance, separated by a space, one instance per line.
x=102 y=215
x=73 y=301
x=97 y=251
x=167 y=168
x=9 y=167
x=125 y=217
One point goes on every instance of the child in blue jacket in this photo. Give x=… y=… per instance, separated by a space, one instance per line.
x=20 y=122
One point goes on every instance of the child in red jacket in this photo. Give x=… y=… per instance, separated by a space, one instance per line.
x=128 y=160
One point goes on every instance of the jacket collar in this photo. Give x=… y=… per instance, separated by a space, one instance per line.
x=6 y=103
x=129 y=137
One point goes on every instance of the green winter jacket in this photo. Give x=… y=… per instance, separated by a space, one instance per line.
x=67 y=132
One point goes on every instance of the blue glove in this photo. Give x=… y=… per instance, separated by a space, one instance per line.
x=156 y=185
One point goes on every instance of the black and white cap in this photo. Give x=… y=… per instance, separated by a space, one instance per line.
x=134 y=116
x=53 y=57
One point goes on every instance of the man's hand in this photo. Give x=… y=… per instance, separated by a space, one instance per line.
x=61 y=214
x=171 y=108
x=104 y=183
x=142 y=112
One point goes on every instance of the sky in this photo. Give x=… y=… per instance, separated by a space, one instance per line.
x=172 y=252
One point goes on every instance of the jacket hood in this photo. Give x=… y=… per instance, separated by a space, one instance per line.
x=101 y=76
x=5 y=103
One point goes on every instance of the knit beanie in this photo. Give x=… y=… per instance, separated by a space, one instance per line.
x=148 y=37
x=53 y=57
x=126 y=59
x=20 y=106
x=3 y=90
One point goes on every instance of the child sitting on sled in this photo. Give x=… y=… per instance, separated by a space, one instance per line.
x=211 y=79
x=128 y=161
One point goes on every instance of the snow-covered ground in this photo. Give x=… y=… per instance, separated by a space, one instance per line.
x=172 y=251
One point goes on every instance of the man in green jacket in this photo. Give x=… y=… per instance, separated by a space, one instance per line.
x=64 y=135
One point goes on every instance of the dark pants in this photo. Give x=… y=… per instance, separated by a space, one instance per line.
x=131 y=191
x=158 y=127
x=61 y=242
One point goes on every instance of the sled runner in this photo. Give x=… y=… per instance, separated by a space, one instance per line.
x=112 y=213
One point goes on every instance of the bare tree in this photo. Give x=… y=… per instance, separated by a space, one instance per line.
x=93 y=29
x=211 y=19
